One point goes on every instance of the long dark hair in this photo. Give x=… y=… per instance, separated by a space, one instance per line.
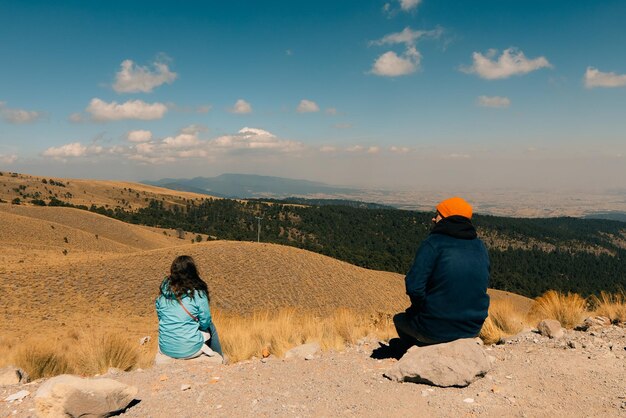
x=184 y=278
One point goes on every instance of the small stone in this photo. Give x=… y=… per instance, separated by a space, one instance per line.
x=310 y=357
x=163 y=378
x=550 y=328
x=266 y=352
x=509 y=376
x=468 y=400
x=18 y=396
x=185 y=387
x=496 y=389
x=145 y=340
x=302 y=351
x=572 y=344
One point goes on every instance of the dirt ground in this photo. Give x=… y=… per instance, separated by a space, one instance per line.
x=531 y=376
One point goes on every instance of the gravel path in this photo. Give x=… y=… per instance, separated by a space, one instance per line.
x=532 y=376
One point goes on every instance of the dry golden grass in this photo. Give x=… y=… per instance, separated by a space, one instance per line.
x=505 y=319
x=569 y=309
x=42 y=359
x=77 y=352
x=490 y=333
x=97 y=353
x=243 y=337
x=613 y=306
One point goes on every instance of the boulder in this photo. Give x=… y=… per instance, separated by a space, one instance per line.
x=73 y=396
x=303 y=351
x=457 y=363
x=11 y=375
x=550 y=328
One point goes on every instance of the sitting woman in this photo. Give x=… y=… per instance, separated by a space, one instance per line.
x=186 y=330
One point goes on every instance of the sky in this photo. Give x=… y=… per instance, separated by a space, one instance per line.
x=398 y=94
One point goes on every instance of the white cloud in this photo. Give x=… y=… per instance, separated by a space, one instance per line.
x=408 y=36
x=183 y=140
x=407 y=5
x=355 y=148
x=493 y=101
x=390 y=64
x=241 y=107
x=373 y=150
x=133 y=78
x=328 y=148
x=75 y=149
x=255 y=139
x=307 y=106
x=144 y=148
x=511 y=62
x=132 y=109
x=18 y=116
x=399 y=150
x=8 y=159
x=139 y=136
x=331 y=111
x=596 y=78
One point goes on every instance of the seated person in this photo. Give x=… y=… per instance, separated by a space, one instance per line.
x=447 y=284
x=186 y=330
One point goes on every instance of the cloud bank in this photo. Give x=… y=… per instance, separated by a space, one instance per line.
x=102 y=111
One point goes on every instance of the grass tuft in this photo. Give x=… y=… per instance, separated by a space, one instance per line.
x=40 y=359
x=569 y=309
x=490 y=333
x=97 y=353
x=611 y=305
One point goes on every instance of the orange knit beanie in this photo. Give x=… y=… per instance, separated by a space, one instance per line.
x=455 y=206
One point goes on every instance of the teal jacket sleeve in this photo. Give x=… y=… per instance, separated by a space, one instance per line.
x=204 y=312
x=417 y=277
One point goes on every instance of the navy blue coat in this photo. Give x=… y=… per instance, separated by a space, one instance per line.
x=447 y=285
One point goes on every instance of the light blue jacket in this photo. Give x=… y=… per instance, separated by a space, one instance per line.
x=179 y=333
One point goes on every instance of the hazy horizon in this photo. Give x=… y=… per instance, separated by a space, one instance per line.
x=397 y=94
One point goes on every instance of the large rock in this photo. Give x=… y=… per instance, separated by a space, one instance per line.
x=303 y=351
x=72 y=396
x=550 y=328
x=11 y=375
x=457 y=363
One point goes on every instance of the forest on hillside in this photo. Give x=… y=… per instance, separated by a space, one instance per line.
x=531 y=255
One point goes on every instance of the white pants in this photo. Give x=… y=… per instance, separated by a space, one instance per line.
x=205 y=349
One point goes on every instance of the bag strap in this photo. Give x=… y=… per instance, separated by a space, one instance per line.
x=188 y=313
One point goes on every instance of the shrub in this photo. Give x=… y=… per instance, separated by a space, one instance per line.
x=568 y=309
x=613 y=306
x=16 y=201
x=490 y=333
x=97 y=353
x=39 y=359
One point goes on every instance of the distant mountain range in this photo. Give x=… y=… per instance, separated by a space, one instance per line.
x=614 y=216
x=246 y=186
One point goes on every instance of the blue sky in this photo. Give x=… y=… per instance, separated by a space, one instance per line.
x=397 y=93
